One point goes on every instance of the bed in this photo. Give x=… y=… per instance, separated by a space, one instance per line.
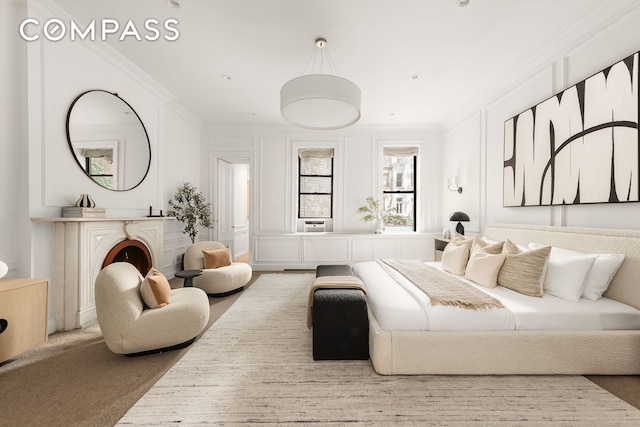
x=559 y=337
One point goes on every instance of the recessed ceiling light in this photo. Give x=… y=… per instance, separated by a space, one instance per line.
x=226 y=77
x=414 y=76
x=463 y=3
x=174 y=3
x=392 y=114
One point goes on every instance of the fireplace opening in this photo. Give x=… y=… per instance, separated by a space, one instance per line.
x=132 y=251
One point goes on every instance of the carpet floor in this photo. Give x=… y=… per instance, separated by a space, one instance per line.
x=74 y=380
x=254 y=366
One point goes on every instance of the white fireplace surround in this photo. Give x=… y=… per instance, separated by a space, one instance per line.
x=80 y=247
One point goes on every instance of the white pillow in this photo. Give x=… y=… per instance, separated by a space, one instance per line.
x=566 y=276
x=483 y=268
x=454 y=258
x=599 y=276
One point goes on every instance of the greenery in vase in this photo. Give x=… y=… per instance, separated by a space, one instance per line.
x=190 y=207
x=374 y=210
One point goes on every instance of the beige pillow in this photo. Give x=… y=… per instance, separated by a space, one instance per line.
x=490 y=248
x=483 y=268
x=460 y=239
x=455 y=256
x=217 y=258
x=155 y=289
x=522 y=271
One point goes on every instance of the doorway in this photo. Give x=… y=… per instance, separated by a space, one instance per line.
x=233 y=215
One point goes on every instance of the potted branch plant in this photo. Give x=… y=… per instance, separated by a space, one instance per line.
x=375 y=211
x=190 y=207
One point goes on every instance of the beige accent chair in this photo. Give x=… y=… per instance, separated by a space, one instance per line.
x=130 y=328
x=221 y=281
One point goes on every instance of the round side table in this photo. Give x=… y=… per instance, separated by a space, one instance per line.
x=188 y=276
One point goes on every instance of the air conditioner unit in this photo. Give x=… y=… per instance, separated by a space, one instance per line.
x=317 y=225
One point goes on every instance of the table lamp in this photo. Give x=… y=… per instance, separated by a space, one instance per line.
x=459 y=216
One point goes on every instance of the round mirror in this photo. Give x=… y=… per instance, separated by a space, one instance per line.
x=108 y=140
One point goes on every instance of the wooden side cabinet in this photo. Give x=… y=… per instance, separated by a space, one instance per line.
x=23 y=315
x=439 y=245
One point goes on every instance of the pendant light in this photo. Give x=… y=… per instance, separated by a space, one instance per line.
x=320 y=101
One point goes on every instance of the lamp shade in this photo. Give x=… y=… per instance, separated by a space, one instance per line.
x=459 y=216
x=320 y=102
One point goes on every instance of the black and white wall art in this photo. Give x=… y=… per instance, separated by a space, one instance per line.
x=579 y=146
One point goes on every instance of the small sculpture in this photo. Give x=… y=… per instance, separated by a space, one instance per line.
x=85 y=201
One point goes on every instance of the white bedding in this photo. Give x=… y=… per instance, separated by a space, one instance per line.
x=398 y=305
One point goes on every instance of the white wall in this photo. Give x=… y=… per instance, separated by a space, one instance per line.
x=357 y=171
x=14 y=223
x=179 y=154
x=461 y=158
x=38 y=172
x=591 y=52
x=58 y=72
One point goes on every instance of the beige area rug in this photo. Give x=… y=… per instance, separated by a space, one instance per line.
x=255 y=366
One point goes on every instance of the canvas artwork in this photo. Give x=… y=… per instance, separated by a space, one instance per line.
x=579 y=146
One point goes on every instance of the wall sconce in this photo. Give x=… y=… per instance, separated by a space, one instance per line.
x=455 y=185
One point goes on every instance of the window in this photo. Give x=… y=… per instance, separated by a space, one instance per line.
x=399 y=186
x=315 y=183
x=399 y=176
x=99 y=166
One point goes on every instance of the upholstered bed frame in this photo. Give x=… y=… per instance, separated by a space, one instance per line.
x=526 y=352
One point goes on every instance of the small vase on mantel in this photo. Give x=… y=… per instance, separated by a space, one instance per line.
x=379 y=227
x=85 y=201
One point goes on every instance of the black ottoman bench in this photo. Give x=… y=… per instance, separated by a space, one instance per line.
x=340 y=320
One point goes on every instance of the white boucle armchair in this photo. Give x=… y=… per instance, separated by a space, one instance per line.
x=219 y=281
x=130 y=328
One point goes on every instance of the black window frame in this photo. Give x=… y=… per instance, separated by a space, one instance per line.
x=414 y=192
x=300 y=193
x=88 y=167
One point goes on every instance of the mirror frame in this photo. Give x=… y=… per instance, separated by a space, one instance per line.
x=72 y=148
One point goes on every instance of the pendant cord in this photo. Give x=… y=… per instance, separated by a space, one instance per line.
x=318 y=53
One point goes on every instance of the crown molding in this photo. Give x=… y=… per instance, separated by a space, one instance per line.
x=185 y=114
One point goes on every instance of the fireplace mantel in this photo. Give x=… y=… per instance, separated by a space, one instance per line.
x=106 y=219
x=80 y=247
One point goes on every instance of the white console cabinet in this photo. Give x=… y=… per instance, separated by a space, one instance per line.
x=283 y=249
x=325 y=249
x=308 y=250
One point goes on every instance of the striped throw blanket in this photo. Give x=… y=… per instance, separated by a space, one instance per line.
x=442 y=288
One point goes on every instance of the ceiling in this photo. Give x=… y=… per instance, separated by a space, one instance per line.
x=459 y=54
